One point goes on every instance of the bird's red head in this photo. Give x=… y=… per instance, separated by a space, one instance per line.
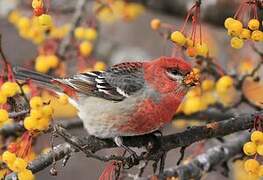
x=167 y=74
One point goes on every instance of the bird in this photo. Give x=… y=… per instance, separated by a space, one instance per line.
x=127 y=99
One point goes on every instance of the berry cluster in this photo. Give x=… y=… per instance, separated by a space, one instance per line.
x=239 y=31
x=34 y=28
x=253 y=147
x=87 y=35
x=38 y=7
x=18 y=165
x=210 y=92
x=8 y=89
x=187 y=40
x=40 y=115
x=46 y=62
x=44 y=20
x=82 y=33
x=111 y=11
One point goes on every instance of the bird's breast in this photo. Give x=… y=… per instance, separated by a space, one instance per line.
x=150 y=115
x=135 y=115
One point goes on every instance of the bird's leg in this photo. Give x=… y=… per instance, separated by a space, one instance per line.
x=131 y=160
x=119 y=142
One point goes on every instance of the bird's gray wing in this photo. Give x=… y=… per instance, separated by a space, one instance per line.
x=116 y=83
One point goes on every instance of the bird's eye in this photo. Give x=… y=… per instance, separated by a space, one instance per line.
x=175 y=74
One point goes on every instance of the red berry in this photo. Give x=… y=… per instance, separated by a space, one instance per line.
x=38 y=11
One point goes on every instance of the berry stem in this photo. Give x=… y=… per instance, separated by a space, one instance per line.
x=187 y=17
x=239 y=10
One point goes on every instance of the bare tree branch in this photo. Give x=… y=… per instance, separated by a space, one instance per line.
x=206 y=161
x=166 y=143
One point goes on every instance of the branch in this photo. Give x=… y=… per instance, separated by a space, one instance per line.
x=208 y=160
x=78 y=14
x=186 y=138
x=210 y=114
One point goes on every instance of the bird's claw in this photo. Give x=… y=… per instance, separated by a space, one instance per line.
x=131 y=161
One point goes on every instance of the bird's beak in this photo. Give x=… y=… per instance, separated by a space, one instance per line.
x=192 y=78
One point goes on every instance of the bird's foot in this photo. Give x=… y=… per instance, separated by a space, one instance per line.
x=131 y=160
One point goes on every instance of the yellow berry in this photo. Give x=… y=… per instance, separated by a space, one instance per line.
x=52 y=61
x=257 y=137
x=37 y=4
x=79 y=32
x=36 y=102
x=99 y=66
x=9 y=89
x=8 y=157
x=14 y=16
x=3 y=98
x=132 y=10
x=30 y=123
x=23 y=23
x=245 y=34
x=90 y=34
x=228 y=21
x=36 y=113
x=178 y=38
x=251 y=166
x=85 y=48
x=26 y=89
x=45 y=21
x=207 y=85
x=257 y=35
x=63 y=99
x=260 y=171
x=155 y=24
x=202 y=49
x=235 y=28
x=253 y=24
x=25 y=175
x=41 y=64
x=189 y=42
x=47 y=110
x=208 y=98
x=194 y=92
x=3 y=115
x=250 y=148
x=260 y=149
x=19 y=165
x=236 y=42
x=224 y=83
x=43 y=124
x=192 y=105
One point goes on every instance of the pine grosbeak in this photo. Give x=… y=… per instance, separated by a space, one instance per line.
x=128 y=99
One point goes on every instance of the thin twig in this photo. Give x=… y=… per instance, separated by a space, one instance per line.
x=78 y=14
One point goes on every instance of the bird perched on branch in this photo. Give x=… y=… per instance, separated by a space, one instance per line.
x=128 y=99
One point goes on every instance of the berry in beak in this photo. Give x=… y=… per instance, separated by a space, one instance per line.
x=192 y=78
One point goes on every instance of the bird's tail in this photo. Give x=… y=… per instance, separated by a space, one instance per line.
x=43 y=80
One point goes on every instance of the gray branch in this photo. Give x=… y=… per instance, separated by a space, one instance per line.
x=207 y=161
x=166 y=143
